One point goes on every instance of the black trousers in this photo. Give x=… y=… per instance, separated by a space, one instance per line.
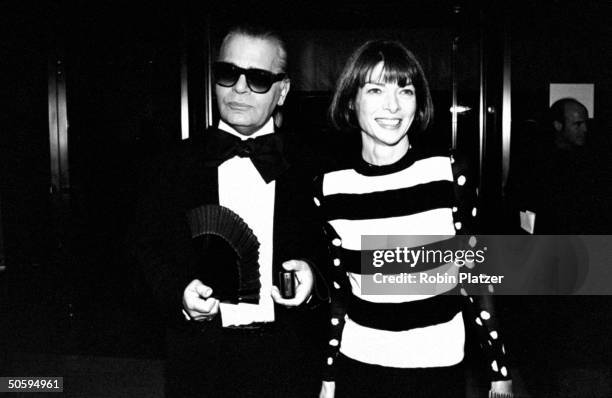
x=281 y=360
x=357 y=379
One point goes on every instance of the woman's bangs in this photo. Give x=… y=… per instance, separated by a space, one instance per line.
x=399 y=71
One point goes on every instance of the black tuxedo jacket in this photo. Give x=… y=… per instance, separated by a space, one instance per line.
x=181 y=181
x=204 y=359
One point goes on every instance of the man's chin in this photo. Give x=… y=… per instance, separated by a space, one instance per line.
x=243 y=127
x=241 y=124
x=246 y=131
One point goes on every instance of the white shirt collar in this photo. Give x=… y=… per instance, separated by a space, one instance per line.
x=267 y=128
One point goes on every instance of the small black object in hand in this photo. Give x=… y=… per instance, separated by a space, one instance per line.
x=287 y=284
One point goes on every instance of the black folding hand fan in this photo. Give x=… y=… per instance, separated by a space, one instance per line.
x=227 y=253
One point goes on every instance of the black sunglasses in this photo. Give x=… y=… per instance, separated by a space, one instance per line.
x=259 y=81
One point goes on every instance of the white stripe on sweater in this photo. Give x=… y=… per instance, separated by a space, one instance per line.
x=422 y=171
x=431 y=346
x=432 y=222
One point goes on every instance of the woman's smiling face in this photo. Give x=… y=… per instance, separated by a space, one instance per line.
x=384 y=110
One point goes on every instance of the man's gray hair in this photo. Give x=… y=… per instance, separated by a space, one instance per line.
x=263 y=33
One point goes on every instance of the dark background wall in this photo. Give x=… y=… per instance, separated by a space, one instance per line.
x=560 y=42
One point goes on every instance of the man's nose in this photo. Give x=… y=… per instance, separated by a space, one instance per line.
x=584 y=128
x=241 y=85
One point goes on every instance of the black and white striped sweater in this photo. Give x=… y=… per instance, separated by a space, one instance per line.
x=424 y=195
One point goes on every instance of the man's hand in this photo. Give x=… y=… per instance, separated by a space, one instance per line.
x=305 y=282
x=328 y=389
x=198 y=303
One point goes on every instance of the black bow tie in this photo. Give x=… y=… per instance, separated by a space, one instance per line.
x=266 y=151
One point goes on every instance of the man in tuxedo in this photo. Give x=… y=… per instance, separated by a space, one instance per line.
x=217 y=348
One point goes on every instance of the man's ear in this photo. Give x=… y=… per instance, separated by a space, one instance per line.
x=285 y=86
x=558 y=126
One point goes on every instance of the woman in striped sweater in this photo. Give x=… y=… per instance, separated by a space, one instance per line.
x=405 y=342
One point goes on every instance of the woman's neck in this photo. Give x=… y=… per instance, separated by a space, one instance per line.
x=380 y=154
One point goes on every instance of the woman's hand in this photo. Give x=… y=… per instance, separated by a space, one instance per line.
x=328 y=389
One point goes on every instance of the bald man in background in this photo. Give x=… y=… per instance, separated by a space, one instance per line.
x=561 y=190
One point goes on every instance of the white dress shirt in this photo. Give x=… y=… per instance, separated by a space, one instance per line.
x=243 y=190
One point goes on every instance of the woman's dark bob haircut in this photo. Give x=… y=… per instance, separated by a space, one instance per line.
x=399 y=66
